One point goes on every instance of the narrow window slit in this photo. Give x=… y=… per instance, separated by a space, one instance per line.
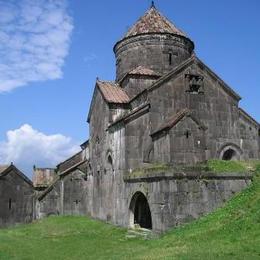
x=10 y=204
x=170 y=58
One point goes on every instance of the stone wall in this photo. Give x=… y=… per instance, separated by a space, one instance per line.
x=152 y=52
x=177 y=198
x=68 y=194
x=48 y=203
x=43 y=177
x=174 y=197
x=16 y=198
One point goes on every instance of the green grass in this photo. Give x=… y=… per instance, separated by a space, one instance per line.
x=218 y=166
x=152 y=168
x=231 y=166
x=231 y=232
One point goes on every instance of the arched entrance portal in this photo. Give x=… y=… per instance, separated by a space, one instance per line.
x=229 y=155
x=140 y=211
x=230 y=152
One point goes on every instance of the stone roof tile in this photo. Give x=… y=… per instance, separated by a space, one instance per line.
x=112 y=92
x=3 y=168
x=153 y=22
x=143 y=71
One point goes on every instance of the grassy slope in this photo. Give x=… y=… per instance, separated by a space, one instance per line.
x=232 y=232
x=211 y=166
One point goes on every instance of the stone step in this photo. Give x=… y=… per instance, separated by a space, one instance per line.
x=140 y=233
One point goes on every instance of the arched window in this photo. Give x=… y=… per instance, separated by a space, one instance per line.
x=110 y=161
x=110 y=166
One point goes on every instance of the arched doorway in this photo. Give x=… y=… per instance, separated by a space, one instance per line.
x=230 y=152
x=229 y=155
x=140 y=211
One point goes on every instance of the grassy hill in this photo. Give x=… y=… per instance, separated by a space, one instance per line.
x=232 y=232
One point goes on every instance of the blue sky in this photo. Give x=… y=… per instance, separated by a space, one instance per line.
x=52 y=52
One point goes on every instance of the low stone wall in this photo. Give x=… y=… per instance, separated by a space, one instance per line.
x=177 y=198
x=174 y=197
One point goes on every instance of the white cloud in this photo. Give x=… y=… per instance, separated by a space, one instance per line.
x=26 y=147
x=34 y=41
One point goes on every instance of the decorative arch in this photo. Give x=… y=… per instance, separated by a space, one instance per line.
x=148 y=153
x=140 y=212
x=229 y=152
x=109 y=161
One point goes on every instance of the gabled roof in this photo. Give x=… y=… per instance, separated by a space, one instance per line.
x=57 y=178
x=188 y=62
x=112 y=92
x=248 y=117
x=153 y=22
x=180 y=68
x=140 y=70
x=48 y=189
x=69 y=162
x=135 y=113
x=174 y=119
x=4 y=170
x=84 y=145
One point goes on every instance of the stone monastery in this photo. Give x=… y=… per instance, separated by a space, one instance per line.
x=165 y=113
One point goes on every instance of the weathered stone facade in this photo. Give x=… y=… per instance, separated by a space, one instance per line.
x=166 y=108
x=16 y=197
x=43 y=177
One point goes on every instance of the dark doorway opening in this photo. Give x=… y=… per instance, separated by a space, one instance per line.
x=142 y=213
x=228 y=155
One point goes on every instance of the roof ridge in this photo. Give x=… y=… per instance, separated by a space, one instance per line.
x=145 y=70
x=153 y=22
x=112 y=92
x=18 y=172
x=3 y=167
x=250 y=118
x=172 y=120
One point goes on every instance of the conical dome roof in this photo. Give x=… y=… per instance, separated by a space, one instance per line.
x=153 y=22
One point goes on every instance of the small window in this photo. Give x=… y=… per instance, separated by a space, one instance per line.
x=187 y=134
x=110 y=166
x=110 y=161
x=10 y=204
x=170 y=58
x=195 y=84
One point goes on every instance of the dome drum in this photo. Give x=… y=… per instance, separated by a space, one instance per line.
x=157 y=51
